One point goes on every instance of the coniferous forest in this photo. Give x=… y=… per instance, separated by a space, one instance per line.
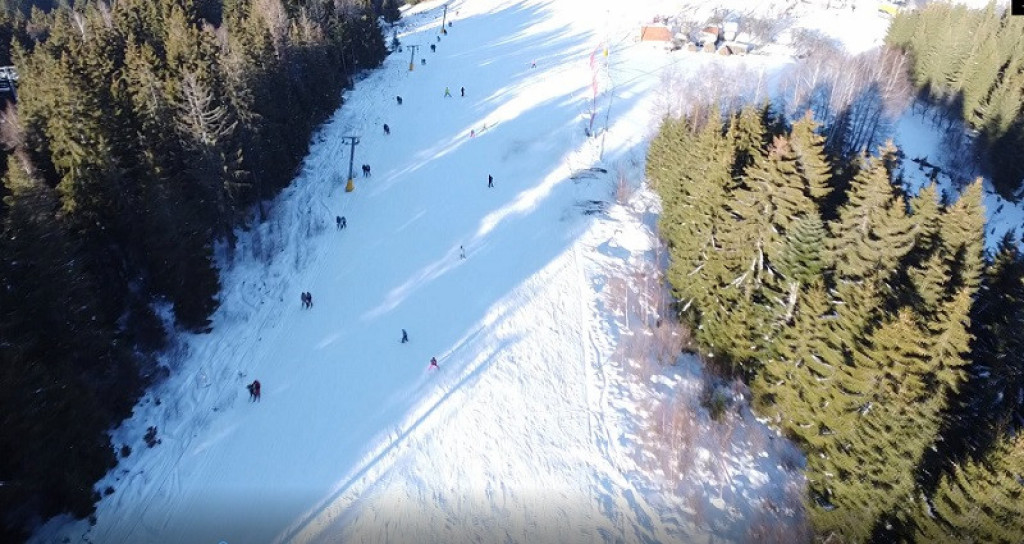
x=969 y=62
x=871 y=325
x=145 y=132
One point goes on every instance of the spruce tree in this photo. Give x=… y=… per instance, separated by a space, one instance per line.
x=796 y=386
x=883 y=422
x=737 y=316
x=927 y=217
x=700 y=179
x=962 y=237
x=747 y=133
x=981 y=501
x=998 y=350
x=390 y=11
x=774 y=191
x=59 y=362
x=873 y=232
x=803 y=257
x=809 y=147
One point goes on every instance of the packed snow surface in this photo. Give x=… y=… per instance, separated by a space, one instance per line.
x=528 y=430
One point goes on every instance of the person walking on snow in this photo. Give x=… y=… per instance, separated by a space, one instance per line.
x=254 y=391
x=303 y=297
x=337 y=220
x=433 y=364
x=463 y=90
x=344 y=222
x=472 y=133
x=462 y=252
x=490 y=180
x=447 y=93
x=387 y=129
x=405 y=336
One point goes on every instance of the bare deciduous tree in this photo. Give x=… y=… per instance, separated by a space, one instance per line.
x=855 y=97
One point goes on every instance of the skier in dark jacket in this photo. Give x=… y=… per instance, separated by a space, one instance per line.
x=254 y=391
x=490 y=180
x=387 y=129
x=433 y=364
x=405 y=336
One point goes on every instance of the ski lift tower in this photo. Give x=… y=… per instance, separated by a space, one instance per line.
x=412 y=58
x=354 y=141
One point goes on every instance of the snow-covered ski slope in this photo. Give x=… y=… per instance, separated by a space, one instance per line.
x=525 y=432
x=354 y=440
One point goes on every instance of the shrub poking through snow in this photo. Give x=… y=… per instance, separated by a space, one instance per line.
x=716 y=400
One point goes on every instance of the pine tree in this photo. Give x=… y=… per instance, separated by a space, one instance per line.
x=699 y=179
x=774 y=192
x=962 y=237
x=998 y=351
x=981 y=68
x=809 y=147
x=390 y=11
x=948 y=343
x=883 y=423
x=982 y=501
x=738 y=317
x=797 y=384
x=56 y=350
x=930 y=282
x=927 y=218
x=803 y=258
x=747 y=133
x=873 y=232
